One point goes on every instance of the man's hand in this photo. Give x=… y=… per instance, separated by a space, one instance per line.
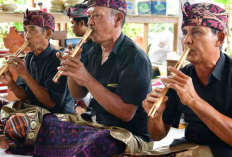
x=19 y=65
x=75 y=69
x=183 y=85
x=68 y=51
x=152 y=98
x=6 y=78
x=3 y=143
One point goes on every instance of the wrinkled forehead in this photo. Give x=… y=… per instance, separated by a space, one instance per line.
x=192 y=28
x=32 y=27
x=98 y=9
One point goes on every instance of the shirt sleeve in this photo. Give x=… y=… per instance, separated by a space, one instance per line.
x=135 y=81
x=21 y=83
x=57 y=91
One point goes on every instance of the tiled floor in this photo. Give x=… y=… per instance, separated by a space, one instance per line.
x=173 y=134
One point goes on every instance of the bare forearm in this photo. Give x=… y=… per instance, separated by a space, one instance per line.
x=156 y=128
x=40 y=92
x=111 y=102
x=77 y=92
x=18 y=91
x=217 y=122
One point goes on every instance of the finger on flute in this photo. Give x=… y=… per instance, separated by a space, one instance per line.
x=15 y=54
x=177 y=66
x=76 y=50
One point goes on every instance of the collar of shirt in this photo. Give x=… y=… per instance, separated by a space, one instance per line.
x=44 y=54
x=118 y=43
x=217 y=71
x=116 y=46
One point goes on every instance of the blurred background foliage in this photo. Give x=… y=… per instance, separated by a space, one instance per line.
x=4 y=26
x=134 y=31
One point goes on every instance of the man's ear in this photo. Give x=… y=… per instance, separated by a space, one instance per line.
x=48 y=33
x=118 y=18
x=81 y=23
x=221 y=37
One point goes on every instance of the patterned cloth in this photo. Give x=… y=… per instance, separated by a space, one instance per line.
x=39 y=18
x=79 y=10
x=169 y=155
x=120 y=5
x=16 y=129
x=205 y=14
x=59 y=138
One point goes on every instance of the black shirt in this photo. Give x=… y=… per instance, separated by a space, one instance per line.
x=127 y=73
x=217 y=93
x=43 y=68
x=85 y=48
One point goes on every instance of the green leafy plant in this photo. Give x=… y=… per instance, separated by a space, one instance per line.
x=133 y=30
x=222 y=1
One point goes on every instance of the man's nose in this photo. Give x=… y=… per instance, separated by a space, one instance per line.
x=187 y=39
x=27 y=35
x=90 y=22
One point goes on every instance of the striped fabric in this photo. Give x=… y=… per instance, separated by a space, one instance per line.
x=16 y=129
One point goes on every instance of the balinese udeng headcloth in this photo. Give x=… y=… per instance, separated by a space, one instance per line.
x=205 y=14
x=77 y=11
x=39 y=18
x=120 y=5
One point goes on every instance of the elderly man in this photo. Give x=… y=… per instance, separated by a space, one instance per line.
x=35 y=73
x=201 y=90
x=116 y=71
x=34 y=84
x=118 y=74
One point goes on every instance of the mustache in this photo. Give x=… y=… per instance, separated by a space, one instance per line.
x=93 y=29
x=191 y=49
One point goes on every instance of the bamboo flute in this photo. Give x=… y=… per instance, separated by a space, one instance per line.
x=160 y=100
x=75 y=51
x=15 y=54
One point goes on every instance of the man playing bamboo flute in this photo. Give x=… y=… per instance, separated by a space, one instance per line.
x=201 y=90
x=118 y=75
x=34 y=84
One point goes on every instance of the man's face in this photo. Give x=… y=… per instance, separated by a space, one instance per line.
x=35 y=36
x=202 y=43
x=77 y=29
x=102 y=23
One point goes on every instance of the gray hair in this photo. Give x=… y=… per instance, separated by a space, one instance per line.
x=215 y=31
x=44 y=29
x=113 y=12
